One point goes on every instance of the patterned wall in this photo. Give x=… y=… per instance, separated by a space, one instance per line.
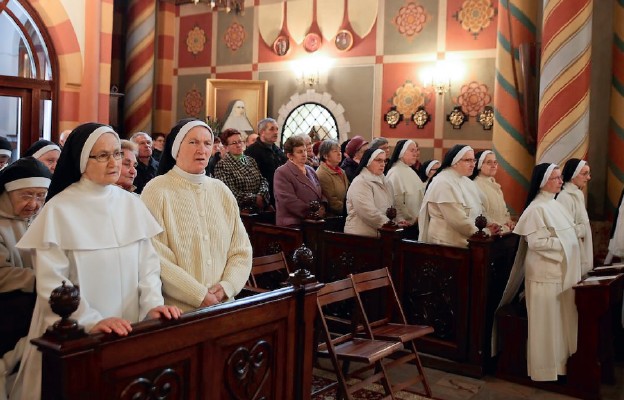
x=407 y=37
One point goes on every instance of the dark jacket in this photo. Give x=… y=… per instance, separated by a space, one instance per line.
x=145 y=173
x=268 y=159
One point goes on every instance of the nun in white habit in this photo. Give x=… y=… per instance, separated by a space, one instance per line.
x=575 y=175
x=548 y=261
x=452 y=202
x=407 y=187
x=96 y=235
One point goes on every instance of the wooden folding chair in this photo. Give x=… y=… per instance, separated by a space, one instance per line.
x=347 y=347
x=385 y=329
x=274 y=269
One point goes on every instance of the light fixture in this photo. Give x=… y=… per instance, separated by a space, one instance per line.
x=236 y=6
x=308 y=70
x=439 y=76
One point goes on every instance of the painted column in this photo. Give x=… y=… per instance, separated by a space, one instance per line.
x=615 y=164
x=163 y=103
x=513 y=140
x=139 y=71
x=563 y=123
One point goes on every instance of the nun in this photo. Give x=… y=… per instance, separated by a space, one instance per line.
x=23 y=189
x=407 y=187
x=6 y=151
x=452 y=202
x=204 y=250
x=45 y=151
x=494 y=206
x=369 y=196
x=616 y=237
x=576 y=174
x=548 y=262
x=427 y=170
x=111 y=257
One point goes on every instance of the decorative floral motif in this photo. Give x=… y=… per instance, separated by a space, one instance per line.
x=408 y=97
x=193 y=102
x=411 y=19
x=473 y=97
x=475 y=15
x=195 y=40
x=234 y=36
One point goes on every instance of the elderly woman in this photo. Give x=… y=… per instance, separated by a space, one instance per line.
x=240 y=172
x=45 y=151
x=23 y=189
x=128 y=170
x=576 y=174
x=548 y=261
x=334 y=182
x=406 y=185
x=295 y=185
x=205 y=254
x=428 y=169
x=235 y=117
x=111 y=257
x=494 y=206
x=369 y=196
x=452 y=202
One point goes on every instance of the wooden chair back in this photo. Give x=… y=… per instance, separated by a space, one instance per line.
x=274 y=263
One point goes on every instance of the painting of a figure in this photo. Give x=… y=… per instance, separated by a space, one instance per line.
x=236 y=118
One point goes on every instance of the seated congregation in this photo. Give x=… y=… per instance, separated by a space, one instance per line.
x=188 y=257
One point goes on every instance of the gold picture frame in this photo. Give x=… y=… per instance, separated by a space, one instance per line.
x=222 y=93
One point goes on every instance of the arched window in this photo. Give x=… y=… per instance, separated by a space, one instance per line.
x=28 y=68
x=312 y=119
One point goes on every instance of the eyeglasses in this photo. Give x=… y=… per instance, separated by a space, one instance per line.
x=469 y=160
x=585 y=173
x=105 y=156
x=39 y=197
x=556 y=178
x=236 y=143
x=492 y=163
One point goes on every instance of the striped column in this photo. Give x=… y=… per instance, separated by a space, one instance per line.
x=563 y=122
x=163 y=102
x=139 y=66
x=615 y=164
x=511 y=140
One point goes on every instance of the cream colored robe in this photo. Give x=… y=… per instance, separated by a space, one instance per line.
x=494 y=207
x=368 y=198
x=573 y=200
x=408 y=191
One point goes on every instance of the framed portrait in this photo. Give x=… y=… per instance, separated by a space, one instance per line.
x=236 y=103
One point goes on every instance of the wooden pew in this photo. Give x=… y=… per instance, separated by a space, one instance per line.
x=256 y=347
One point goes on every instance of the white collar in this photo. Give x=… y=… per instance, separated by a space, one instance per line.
x=192 y=178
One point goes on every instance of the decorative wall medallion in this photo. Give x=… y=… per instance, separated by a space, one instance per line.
x=344 y=40
x=281 y=45
x=410 y=19
x=193 y=102
x=421 y=117
x=473 y=97
x=486 y=118
x=234 y=36
x=393 y=117
x=195 y=40
x=312 y=42
x=408 y=98
x=456 y=117
x=475 y=15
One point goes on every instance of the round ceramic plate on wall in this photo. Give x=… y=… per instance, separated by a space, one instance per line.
x=312 y=42
x=281 y=45
x=343 y=40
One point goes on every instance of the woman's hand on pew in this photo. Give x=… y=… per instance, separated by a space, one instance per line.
x=118 y=325
x=167 y=312
x=214 y=295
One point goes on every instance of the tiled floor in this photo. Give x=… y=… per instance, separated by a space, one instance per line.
x=455 y=387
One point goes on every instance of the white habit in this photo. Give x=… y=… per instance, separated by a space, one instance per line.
x=573 y=200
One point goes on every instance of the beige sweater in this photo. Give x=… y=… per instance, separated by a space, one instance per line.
x=204 y=241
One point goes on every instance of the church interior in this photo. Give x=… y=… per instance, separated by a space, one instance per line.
x=534 y=80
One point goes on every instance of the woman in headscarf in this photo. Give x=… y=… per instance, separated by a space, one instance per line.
x=45 y=151
x=406 y=185
x=428 y=169
x=236 y=117
x=23 y=189
x=296 y=185
x=205 y=253
x=576 y=174
x=110 y=256
x=333 y=179
x=494 y=206
x=548 y=262
x=452 y=202
x=369 y=196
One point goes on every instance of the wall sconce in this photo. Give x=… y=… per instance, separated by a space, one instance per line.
x=308 y=70
x=439 y=76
